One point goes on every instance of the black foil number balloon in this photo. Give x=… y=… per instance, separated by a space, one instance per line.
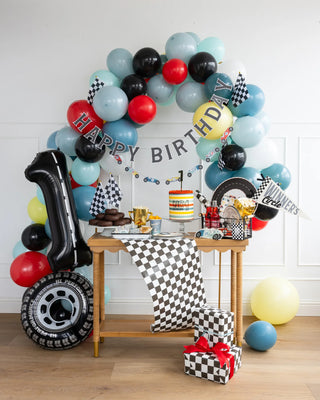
x=146 y=62
x=69 y=250
x=233 y=156
x=34 y=237
x=265 y=213
x=133 y=85
x=201 y=66
x=88 y=151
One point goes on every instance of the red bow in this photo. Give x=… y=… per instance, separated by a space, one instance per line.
x=219 y=349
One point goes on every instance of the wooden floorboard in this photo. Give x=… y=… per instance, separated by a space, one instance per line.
x=152 y=368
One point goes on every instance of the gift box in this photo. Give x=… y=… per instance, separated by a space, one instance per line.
x=218 y=363
x=214 y=324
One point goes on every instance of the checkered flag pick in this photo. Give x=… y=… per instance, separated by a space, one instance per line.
x=240 y=91
x=113 y=192
x=171 y=270
x=98 y=204
x=94 y=88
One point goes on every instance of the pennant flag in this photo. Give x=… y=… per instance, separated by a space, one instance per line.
x=113 y=192
x=94 y=88
x=271 y=195
x=240 y=92
x=98 y=204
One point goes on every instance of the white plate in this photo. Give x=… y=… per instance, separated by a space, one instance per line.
x=105 y=230
x=167 y=235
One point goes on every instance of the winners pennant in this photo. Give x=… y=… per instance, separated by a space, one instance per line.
x=271 y=195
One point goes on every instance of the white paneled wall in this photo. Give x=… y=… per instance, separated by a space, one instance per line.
x=49 y=50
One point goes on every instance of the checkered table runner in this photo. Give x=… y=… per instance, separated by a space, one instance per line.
x=171 y=269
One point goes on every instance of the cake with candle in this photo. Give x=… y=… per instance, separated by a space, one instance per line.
x=181 y=205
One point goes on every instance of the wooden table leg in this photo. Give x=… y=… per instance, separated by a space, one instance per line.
x=233 y=289
x=96 y=300
x=239 y=299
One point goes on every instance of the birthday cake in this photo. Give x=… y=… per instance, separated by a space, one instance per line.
x=181 y=204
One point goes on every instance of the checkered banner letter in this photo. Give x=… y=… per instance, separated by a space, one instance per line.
x=171 y=270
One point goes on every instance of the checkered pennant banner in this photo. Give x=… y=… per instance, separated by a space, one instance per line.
x=172 y=273
x=264 y=184
x=98 y=204
x=240 y=92
x=94 y=88
x=113 y=192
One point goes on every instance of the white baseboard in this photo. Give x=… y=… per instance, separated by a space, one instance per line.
x=143 y=306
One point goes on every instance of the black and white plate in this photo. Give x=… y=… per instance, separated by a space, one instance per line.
x=237 y=187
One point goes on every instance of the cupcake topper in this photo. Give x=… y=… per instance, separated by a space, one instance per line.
x=181 y=178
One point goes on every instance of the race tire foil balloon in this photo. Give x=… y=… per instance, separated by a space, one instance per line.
x=69 y=250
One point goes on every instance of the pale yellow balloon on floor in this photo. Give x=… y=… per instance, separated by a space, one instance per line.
x=275 y=300
x=37 y=211
x=211 y=121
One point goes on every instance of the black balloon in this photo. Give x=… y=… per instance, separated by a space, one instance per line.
x=265 y=213
x=201 y=66
x=69 y=250
x=146 y=62
x=88 y=151
x=133 y=85
x=233 y=156
x=34 y=237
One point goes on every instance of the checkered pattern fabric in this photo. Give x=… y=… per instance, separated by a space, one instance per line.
x=214 y=324
x=172 y=273
x=94 y=88
x=113 y=192
x=240 y=92
x=98 y=204
x=264 y=184
x=207 y=366
x=237 y=230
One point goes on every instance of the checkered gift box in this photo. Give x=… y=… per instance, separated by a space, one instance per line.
x=207 y=365
x=214 y=324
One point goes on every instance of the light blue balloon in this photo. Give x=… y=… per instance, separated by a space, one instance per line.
x=252 y=105
x=18 y=249
x=278 y=173
x=247 y=132
x=66 y=139
x=214 y=46
x=83 y=196
x=85 y=173
x=190 y=96
x=119 y=61
x=209 y=150
x=121 y=131
x=171 y=99
x=264 y=119
x=182 y=46
x=220 y=85
x=195 y=37
x=51 y=142
x=40 y=195
x=250 y=174
x=214 y=176
x=110 y=103
x=107 y=294
x=47 y=228
x=260 y=335
x=159 y=90
x=107 y=77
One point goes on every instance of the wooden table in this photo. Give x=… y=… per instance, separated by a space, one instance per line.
x=137 y=328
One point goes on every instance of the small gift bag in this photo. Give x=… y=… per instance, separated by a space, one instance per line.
x=218 y=363
x=214 y=324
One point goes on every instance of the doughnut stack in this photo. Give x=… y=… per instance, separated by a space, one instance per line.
x=111 y=217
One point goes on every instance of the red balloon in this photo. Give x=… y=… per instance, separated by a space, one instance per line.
x=29 y=267
x=74 y=184
x=257 y=224
x=174 y=71
x=82 y=117
x=142 y=109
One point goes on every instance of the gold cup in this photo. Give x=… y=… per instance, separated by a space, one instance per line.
x=140 y=215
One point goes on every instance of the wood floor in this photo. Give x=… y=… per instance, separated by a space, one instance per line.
x=152 y=368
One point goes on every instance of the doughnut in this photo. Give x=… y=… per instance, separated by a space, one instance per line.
x=100 y=216
x=112 y=217
x=122 y=221
x=93 y=221
x=111 y=211
x=101 y=222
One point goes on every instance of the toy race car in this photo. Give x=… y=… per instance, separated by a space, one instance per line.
x=134 y=173
x=209 y=233
x=193 y=170
x=154 y=180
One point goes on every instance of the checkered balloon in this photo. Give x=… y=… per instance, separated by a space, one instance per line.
x=171 y=270
x=240 y=92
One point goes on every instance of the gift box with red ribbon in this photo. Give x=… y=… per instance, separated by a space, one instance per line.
x=218 y=363
x=214 y=324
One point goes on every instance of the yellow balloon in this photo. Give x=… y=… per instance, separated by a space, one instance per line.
x=211 y=121
x=275 y=300
x=37 y=211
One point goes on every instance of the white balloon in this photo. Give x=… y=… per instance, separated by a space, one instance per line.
x=110 y=164
x=232 y=69
x=263 y=155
